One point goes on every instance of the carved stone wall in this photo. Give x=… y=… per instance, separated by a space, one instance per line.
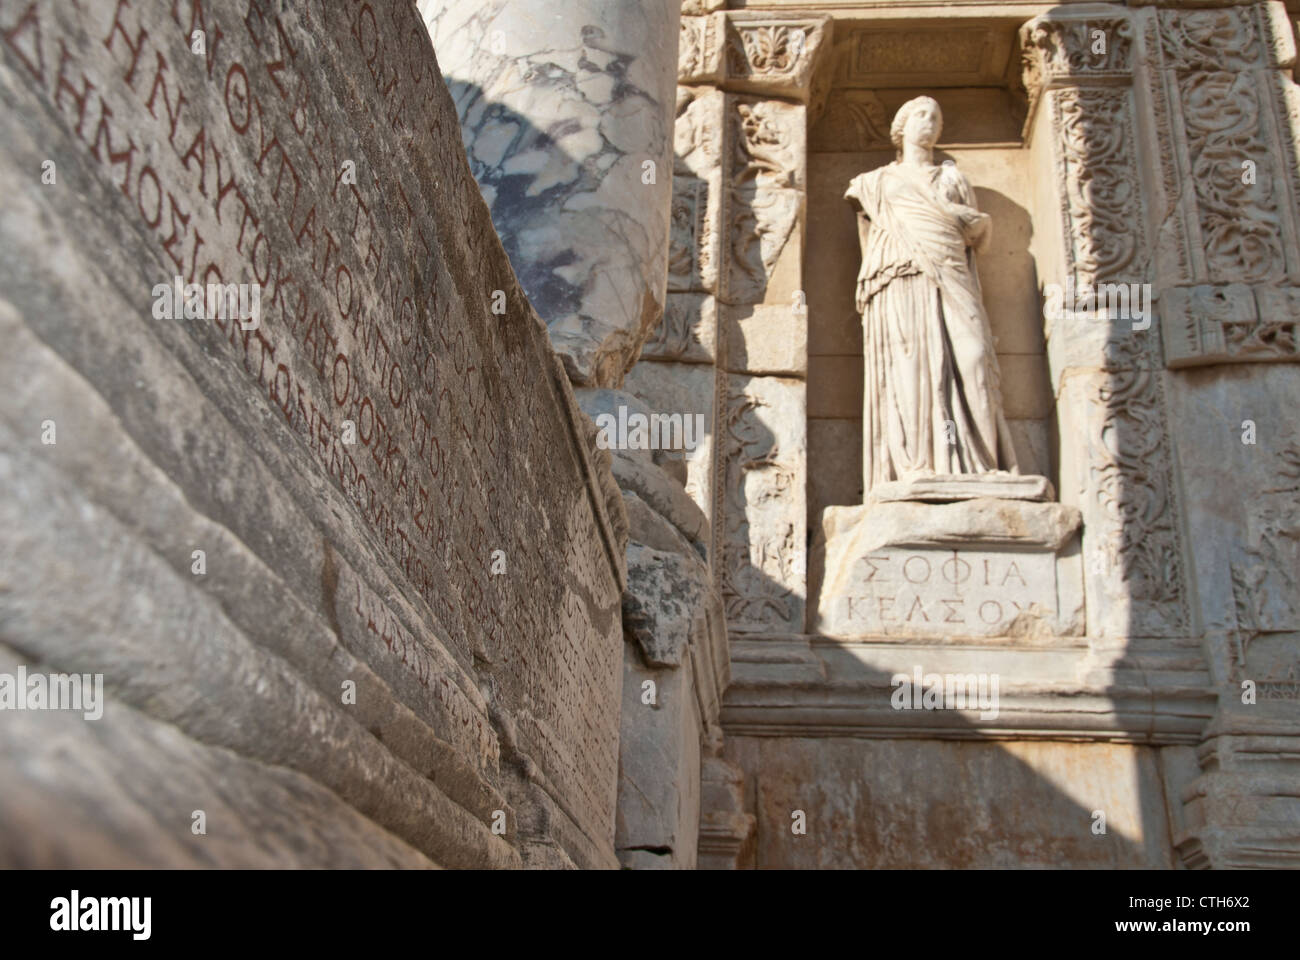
x=367 y=586
x=731 y=345
x=1193 y=194
x=344 y=610
x=1222 y=113
x=1106 y=367
x=734 y=334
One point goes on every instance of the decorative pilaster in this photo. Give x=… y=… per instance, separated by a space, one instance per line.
x=1211 y=229
x=1116 y=460
x=733 y=340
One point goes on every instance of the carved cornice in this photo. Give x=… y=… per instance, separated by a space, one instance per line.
x=811 y=687
x=1061 y=49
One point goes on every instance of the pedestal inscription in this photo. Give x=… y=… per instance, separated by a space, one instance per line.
x=972 y=592
x=975 y=568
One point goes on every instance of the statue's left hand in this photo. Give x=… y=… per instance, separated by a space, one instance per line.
x=977 y=227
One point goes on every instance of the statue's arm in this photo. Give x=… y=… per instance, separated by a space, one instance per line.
x=977 y=227
x=854 y=196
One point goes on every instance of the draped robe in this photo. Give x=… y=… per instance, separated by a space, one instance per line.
x=932 y=401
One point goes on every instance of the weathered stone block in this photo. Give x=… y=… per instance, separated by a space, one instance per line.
x=769 y=339
x=761 y=562
x=972 y=568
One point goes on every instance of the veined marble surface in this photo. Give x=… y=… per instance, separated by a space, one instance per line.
x=566 y=116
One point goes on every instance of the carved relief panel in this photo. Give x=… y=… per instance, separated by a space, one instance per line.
x=1222 y=114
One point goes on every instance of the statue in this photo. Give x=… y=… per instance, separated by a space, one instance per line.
x=932 y=408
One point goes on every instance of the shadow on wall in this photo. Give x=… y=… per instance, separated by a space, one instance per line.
x=911 y=796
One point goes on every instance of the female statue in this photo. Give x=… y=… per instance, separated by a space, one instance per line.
x=932 y=401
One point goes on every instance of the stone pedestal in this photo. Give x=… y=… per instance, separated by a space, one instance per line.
x=975 y=568
x=944 y=488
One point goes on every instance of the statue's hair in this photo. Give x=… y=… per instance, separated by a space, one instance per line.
x=905 y=111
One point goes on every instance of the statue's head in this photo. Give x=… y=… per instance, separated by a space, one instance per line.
x=918 y=121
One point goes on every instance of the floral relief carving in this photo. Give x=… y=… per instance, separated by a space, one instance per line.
x=1239 y=222
x=1101 y=200
x=766 y=50
x=760 y=553
x=764 y=193
x=1131 y=475
x=1219 y=39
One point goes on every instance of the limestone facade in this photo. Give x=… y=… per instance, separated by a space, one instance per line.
x=1144 y=149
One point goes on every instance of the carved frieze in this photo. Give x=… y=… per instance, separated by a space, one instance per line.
x=1100 y=193
x=695 y=234
x=688 y=235
x=764 y=191
x=880 y=54
x=1271 y=662
x=1266 y=569
x=763 y=521
x=688 y=331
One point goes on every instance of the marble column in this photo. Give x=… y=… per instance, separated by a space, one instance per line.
x=566 y=112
